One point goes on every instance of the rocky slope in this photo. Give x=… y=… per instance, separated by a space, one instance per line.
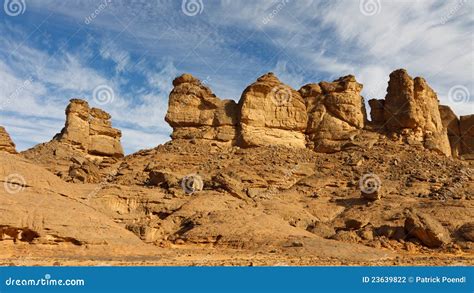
x=281 y=177
x=86 y=147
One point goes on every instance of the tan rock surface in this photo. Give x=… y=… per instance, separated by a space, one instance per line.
x=84 y=149
x=336 y=113
x=39 y=208
x=6 y=143
x=90 y=130
x=272 y=113
x=411 y=109
x=195 y=112
x=451 y=123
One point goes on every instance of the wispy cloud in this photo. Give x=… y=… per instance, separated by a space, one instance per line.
x=52 y=53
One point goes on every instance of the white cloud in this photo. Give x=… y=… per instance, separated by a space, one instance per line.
x=229 y=45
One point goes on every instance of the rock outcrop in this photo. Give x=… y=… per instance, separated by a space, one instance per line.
x=466 y=126
x=411 y=112
x=451 y=124
x=336 y=113
x=195 y=112
x=90 y=130
x=272 y=113
x=6 y=143
x=326 y=116
x=426 y=229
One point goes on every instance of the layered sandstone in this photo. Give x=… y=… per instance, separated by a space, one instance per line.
x=411 y=111
x=272 y=113
x=195 y=112
x=325 y=116
x=6 y=143
x=90 y=130
x=336 y=113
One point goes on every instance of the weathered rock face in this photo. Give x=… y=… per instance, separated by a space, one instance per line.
x=90 y=130
x=411 y=110
x=195 y=112
x=451 y=124
x=272 y=113
x=426 y=229
x=377 y=111
x=326 y=116
x=6 y=143
x=466 y=125
x=336 y=113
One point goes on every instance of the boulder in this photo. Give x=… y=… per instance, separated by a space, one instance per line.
x=90 y=130
x=428 y=230
x=451 y=124
x=6 y=143
x=195 y=112
x=162 y=179
x=467 y=231
x=411 y=109
x=466 y=125
x=336 y=113
x=272 y=113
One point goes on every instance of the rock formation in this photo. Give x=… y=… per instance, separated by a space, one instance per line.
x=85 y=148
x=228 y=190
x=195 y=112
x=336 y=113
x=90 y=130
x=466 y=126
x=451 y=124
x=6 y=143
x=411 y=112
x=326 y=117
x=272 y=113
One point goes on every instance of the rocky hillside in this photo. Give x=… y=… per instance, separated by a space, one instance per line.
x=282 y=176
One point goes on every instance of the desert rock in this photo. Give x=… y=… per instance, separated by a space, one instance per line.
x=426 y=229
x=272 y=113
x=451 y=123
x=377 y=111
x=336 y=113
x=6 y=143
x=467 y=231
x=90 y=130
x=84 y=149
x=466 y=125
x=195 y=112
x=411 y=109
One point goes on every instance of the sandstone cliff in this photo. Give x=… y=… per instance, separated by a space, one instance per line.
x=325 y=116
x=6 y=143
x=411 y=112
x=272 y=113
x=336 y=113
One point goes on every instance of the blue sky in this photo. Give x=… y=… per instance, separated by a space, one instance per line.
x=51 y=51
